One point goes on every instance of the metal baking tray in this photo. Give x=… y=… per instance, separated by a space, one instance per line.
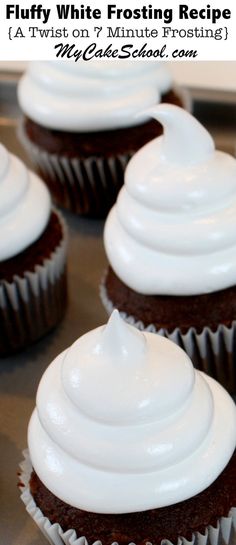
x=19 y=375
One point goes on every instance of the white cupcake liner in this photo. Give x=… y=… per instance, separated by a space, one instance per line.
x=210 y=351
x=30 y=305
x=86 y=186
x=223 y=534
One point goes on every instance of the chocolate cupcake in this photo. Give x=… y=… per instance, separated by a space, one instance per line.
x=130 y=444
x=171 y=244
x=32 y=257
x=80 y=126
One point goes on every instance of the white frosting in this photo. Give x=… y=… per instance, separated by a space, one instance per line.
x=91 y=96
x=173 y=228
x=124 y=423
x=24 y=206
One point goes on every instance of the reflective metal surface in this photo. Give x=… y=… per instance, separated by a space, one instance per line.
x=19 y=375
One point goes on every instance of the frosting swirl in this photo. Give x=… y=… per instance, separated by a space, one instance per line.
x=121 y=420
x=24 y=206
x=91 y=96
x=176 y=214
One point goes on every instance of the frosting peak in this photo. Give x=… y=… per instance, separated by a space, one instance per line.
x=112 y=436
x=115 y=358
x=176 y=213
x=121 y=341
x=24 y=206
x=185 y=140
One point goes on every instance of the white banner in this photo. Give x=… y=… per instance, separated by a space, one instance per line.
x=126 y=29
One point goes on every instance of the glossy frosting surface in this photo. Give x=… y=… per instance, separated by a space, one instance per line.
x=24 y=206
x=123 y=423
x=173 y=228
x=91 y=96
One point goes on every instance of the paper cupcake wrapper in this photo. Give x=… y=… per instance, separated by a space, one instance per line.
x=223 y=534
x=210 y=351
x=33 y=303
x=86 y=186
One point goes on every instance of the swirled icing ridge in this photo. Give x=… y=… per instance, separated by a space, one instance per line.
x=24 y=206
x=121 y=420
x=176 y=214
x=91 y=96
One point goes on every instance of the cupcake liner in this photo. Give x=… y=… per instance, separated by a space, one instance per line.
x=210 y=351
x=223 y=534
x=34 y=303
x=87 y=186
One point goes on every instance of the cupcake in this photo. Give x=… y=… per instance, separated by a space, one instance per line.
x=128 y=443
x=171 y=244
x=80 y=126
x=32 y=257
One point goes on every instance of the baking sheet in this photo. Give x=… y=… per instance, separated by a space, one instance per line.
x=19 y=375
